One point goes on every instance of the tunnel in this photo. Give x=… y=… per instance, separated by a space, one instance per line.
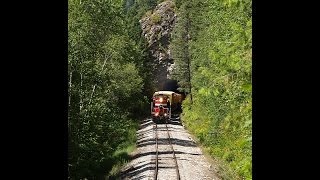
x=171 y=85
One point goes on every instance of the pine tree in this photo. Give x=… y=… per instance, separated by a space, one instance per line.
x=179 y=48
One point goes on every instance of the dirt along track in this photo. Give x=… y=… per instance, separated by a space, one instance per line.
x=178 y=155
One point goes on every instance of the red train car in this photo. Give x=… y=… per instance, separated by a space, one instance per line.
x=164 y=103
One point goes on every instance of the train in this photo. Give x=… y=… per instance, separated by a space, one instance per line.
x=165 y=104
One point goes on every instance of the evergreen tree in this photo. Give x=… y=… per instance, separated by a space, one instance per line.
x=219 y=50
x=180 y=50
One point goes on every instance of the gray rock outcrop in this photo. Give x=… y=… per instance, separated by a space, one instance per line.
x=157 y=26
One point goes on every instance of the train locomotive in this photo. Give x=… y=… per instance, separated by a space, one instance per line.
x=165 y=104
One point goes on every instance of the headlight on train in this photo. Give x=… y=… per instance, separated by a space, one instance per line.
x=157 y=114
x=165 y=114
x=161 y=99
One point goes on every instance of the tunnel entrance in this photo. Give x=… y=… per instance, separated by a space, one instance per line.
x=171 y=85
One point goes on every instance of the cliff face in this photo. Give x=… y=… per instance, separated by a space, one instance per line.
x=157 y=26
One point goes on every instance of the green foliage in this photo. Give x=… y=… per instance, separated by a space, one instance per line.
x=160 y=1
x=155 y=18
x=221 y=50
x=106 y=82
x=109 y=80
x=180 y=49
x=121 y=155
x=140 y=9
x=147 y=14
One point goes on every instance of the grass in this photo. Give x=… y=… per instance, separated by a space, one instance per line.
x=224 y=170
x=122 y=156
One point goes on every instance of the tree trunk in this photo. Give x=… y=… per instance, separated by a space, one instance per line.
x=70 y=81
x=81 y=93
x=94 y=87
x=188 y=55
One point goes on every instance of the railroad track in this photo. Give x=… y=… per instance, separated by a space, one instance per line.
x=157 y=152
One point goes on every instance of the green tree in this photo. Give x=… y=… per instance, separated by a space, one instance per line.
x=104 y=83
x=180 y=50
x=220 y=51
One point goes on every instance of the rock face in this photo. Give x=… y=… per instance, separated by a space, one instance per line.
x=157 y=26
